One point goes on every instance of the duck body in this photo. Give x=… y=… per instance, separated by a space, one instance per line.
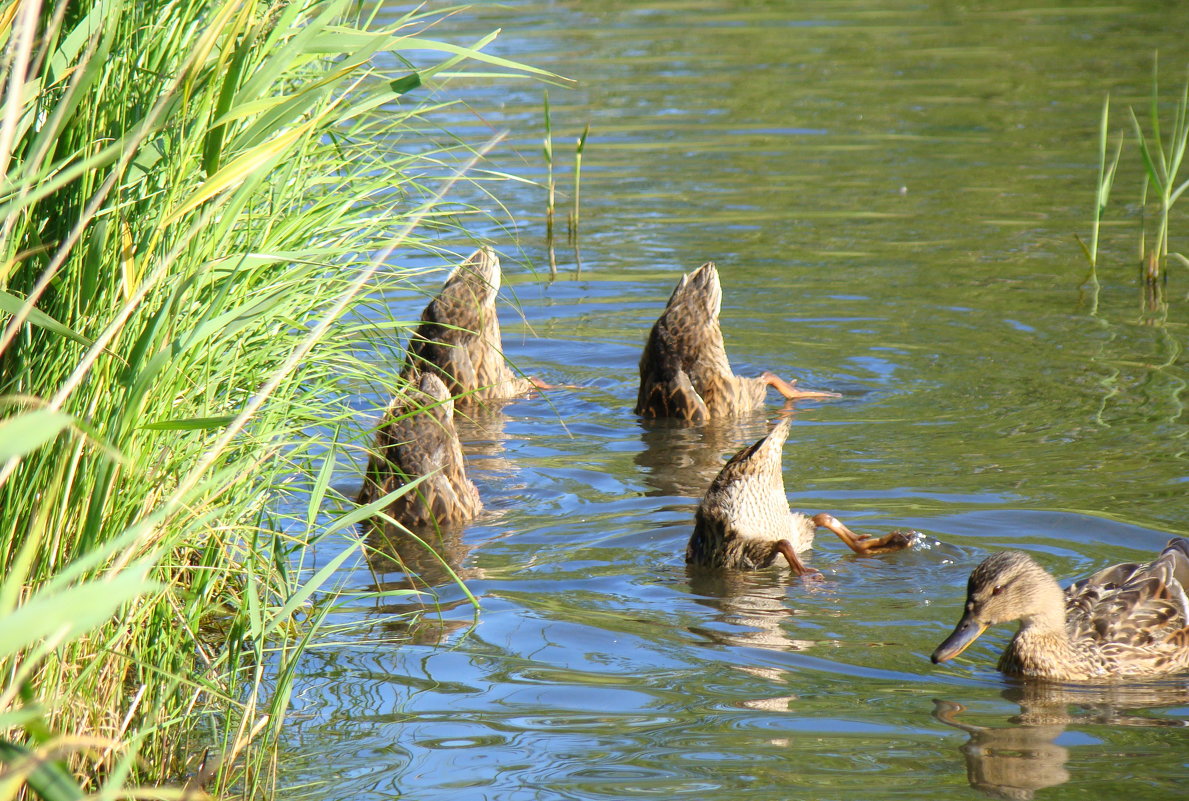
x=459 y=337
x=1125 y=621
x=744 y=515
x=744 y=521
x=684 y=371
x=418 y=440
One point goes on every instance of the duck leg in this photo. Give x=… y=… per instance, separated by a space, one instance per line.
x=863 y=543
x=795 y=564
x=790 y=391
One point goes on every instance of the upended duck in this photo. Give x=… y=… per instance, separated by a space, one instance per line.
x=744 y=521
x=418 y=440
x=684 y=372
x=459 y=336
x=1126 y=621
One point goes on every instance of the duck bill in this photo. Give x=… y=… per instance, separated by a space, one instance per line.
x=967 y=631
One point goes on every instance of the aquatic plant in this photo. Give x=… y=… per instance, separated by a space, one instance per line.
x=1161 y=160
x=193 y=200
x=550 y=181
x=579 y=147
x=1106 y=178
x=1162 y=164
x=572 y=218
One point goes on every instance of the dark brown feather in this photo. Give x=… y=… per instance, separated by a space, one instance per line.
x=418 y=439
x=684 y=371
x=459 y=336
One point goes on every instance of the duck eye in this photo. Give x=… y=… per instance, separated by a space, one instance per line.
x=998 y=588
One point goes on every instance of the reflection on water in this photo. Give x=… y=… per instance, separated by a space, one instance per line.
x=750 y=611
x=415 y=560
x=1016 y=760
x=751 y=607
x=409 y=569
x=481 y=431
x=678 y=459
x=892 y=203
x=1009 y=761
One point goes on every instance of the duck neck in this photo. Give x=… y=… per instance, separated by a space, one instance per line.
x=1041 y=647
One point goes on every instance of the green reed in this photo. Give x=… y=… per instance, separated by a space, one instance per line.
x=192 y=202
x=575 y=212
x=1106 y=179
x=1162 y=161
x=550 y=181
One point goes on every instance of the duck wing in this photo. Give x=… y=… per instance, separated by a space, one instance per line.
x=1136 y=616
x=665 y=387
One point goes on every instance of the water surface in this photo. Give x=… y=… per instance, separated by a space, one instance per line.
x=891 y=192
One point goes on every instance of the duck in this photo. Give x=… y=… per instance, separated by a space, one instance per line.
x=744 y=522
x=684 y=371
x=1125 y=621
x=459 y=339
x=418 y=440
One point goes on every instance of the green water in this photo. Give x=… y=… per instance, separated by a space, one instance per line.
x=891 y=192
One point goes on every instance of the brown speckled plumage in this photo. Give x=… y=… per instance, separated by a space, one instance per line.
x=414 y=442
x=684 y=371
x=1126 y=621
x=744 y=520
x=459 y=335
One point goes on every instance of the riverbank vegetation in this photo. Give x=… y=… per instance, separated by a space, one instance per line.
x=196 y=196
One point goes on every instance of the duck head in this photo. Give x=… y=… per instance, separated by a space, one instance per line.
x=1007 y=586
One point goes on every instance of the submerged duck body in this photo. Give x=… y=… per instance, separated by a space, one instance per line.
x=744 y=521
x=684 y=371
x=459 y=336
x=1126 y=621
x=418 y=439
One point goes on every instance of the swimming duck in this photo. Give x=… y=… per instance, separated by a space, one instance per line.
x=418 y=440
x=684 y=372
x=459 y=336
x=1129 y=620
x=744 y=520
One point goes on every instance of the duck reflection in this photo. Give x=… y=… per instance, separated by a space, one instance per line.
x=750 y=606
x=1017 y=760
x=481 y=432
x=423 y=561
x=750 y=610
x=404 y=559
x=1009 y=761
x=680 y=459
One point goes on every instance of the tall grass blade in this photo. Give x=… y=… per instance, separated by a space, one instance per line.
x=193 y=196
x=575 y=213
x=70 y=612
x=13 y=305
x=49 y=780
x=30 y=430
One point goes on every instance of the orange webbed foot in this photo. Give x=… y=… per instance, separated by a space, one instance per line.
x=863 y=543
x=789 y=390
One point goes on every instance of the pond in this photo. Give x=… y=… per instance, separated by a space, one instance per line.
x=891 y=191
